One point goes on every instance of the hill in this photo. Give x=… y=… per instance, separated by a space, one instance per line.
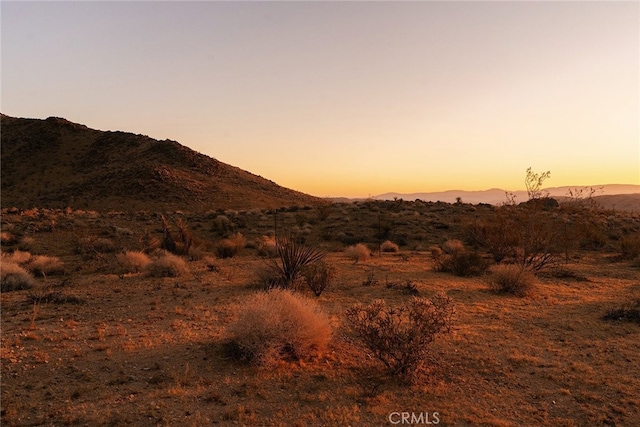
x=54 y=163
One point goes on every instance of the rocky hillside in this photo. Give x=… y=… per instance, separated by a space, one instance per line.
x=55 y=163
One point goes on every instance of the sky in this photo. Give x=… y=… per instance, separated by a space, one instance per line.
x=349 y=99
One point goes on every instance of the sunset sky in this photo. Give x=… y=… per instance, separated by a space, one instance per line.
x=346 y=98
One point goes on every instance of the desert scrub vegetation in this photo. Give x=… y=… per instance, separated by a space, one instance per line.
x=179 y=241
x=133 y=261
x=453 y=257
x=630 y=247
x=13 y=277
x=511 y=278
x=231 y=246
x=389 y=246
x=629 y=312
x=358 y=252
x=400 y=337
x=318 y=276
x=167 y=265
x=44 y=265
x=277 y=324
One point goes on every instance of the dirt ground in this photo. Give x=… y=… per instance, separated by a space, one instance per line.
x=95 y=346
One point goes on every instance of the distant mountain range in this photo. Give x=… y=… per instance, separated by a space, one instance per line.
x=496 y=196
x=54 y=163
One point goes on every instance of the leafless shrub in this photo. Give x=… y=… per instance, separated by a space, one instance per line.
x=399 y=337
x=13 y=277
x=511 y=278
x=318 y=276
x=168 y=265
x=358 y=252
x=133 y=261
x=389 y=246
x=278 y=323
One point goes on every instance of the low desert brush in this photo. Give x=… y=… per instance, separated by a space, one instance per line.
x=389 y=246
x=453 y=257
x=400 y=336
x=630 y=247
x=133 y=261
x=168 y=265
x=18 y=257
x=629 y=312
x=511 y=278
x=318 y=276
x=13 y=277
x=276 y=324
x=359 y=252
x=43 y=265
x=228 y=248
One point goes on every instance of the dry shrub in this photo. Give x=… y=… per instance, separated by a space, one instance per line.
x=18 y=257
x=95 y=245
x=318 y=276
x=13 y=277
x=389 y=246
x=168 y=265
x=228 y=248
x=266 y=246
x=7 y=239
x=278 y=323
x=453 y=257
x=511 y=278
x=629 y=312
x=400 y=336
x=43 y=265
x=359 y=252
x=630 y=247
x=133 y=261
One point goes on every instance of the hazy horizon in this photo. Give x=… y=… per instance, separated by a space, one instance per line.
x=346 y=99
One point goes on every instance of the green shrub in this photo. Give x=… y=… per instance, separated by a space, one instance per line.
x=276 y=324
x=400 y=336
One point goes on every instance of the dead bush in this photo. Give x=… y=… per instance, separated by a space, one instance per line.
x=389 y=246
x=133 y=261
x=453 y=257
x=43 y=265
x=318 y=276
x=276 y=324
x=168 y=265
x=511 y=278
x=13 y=277
x=358 y=252
x=18 y=257
x=266 y=246
x=400 y=336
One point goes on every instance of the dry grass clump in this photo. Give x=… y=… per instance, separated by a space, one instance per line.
x=276 y=324
x=389 y=246
x=359 y=252
x=629 y=312
x=511 y=278
x=133 y=261
x=43 y=265
x=228 y=248
x=400 y=336
x=7 y=238
x=266 y=246
x=453 y=257
x=13 y=277
x=18 y=257
x=168 y=265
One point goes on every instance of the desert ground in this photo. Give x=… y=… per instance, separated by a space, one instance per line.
x=93 y=343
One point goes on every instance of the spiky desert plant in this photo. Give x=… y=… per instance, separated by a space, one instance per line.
x=292 y=256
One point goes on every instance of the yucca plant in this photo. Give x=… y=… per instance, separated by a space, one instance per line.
x=292 y=256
